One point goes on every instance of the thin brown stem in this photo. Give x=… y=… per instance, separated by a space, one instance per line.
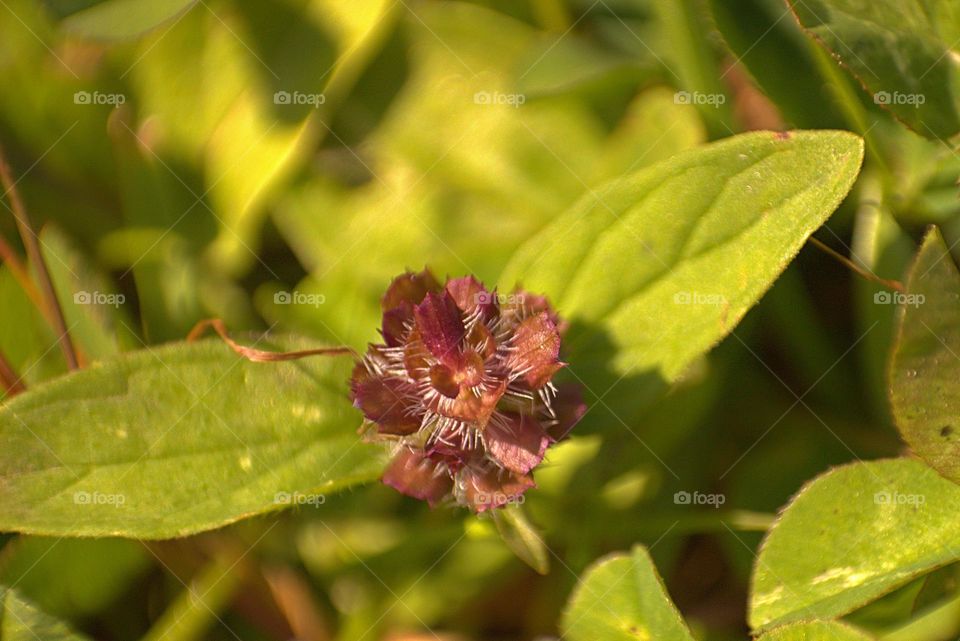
x=35 y=256
x=12 y=260
x=857 y=269
x=12 y=384
x=259 y=355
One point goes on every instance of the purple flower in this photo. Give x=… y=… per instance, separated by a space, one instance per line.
x=462 y=384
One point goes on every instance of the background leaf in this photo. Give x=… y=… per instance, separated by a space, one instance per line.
x=816 y=631
x=851 y=535
x=655 y=268
x=116 y=19
x=174 y=440
x=924 y=383
x=895 y=48
x=622 y=598
x=20 y=620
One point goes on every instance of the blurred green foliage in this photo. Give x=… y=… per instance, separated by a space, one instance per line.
x=196 y=159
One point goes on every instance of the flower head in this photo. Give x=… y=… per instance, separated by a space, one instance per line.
x=462 y=383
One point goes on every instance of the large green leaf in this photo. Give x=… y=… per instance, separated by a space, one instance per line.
x=901 y=52
x=622 y=598
x=20 y=620
x=657 y=267
x=924 y=382
x=175 y=440
x=852 y=535
x=816 y=631
x=115 y=19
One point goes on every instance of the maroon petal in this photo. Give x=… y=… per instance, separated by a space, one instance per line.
x=414 y=474
x=517 y=444
x=441 y=327
x=484 y=488
x=395 y=322
x=469 y=294
x=536 y=343
x=388 y=402
x=409 y=288
x=569 y=408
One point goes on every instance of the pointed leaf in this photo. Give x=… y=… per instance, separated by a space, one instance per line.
x=663 y=263
x=622 y=598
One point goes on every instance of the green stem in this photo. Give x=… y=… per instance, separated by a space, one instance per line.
x=198 y=605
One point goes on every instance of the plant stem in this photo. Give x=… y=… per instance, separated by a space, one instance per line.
x=12 y=384
x=20 y=273
x=860 y=271
x=32 y=245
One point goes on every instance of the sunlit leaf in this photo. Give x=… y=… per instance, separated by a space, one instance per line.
x=116 y=19
x=816 y=631
x=655 y=268
x=175 y=440
x=622 y=598
x=852 y=535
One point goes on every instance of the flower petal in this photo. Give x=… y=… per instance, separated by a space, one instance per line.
x=536 y=344
x=388 y=402
x=469 y=294
x=486 y=487
x=569 y=409
x=415 y=474
x=441 y=327
x=517 y=444
x=409 y=288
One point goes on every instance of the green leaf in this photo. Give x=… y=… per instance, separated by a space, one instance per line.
x=622 y=598
x=116 y=19
x=901 y=52
x=816 y=631
x=20 y=620
x=663 y=263
x=175 y=440
x=522 y=537
x=852 y=535
x=924 y=383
